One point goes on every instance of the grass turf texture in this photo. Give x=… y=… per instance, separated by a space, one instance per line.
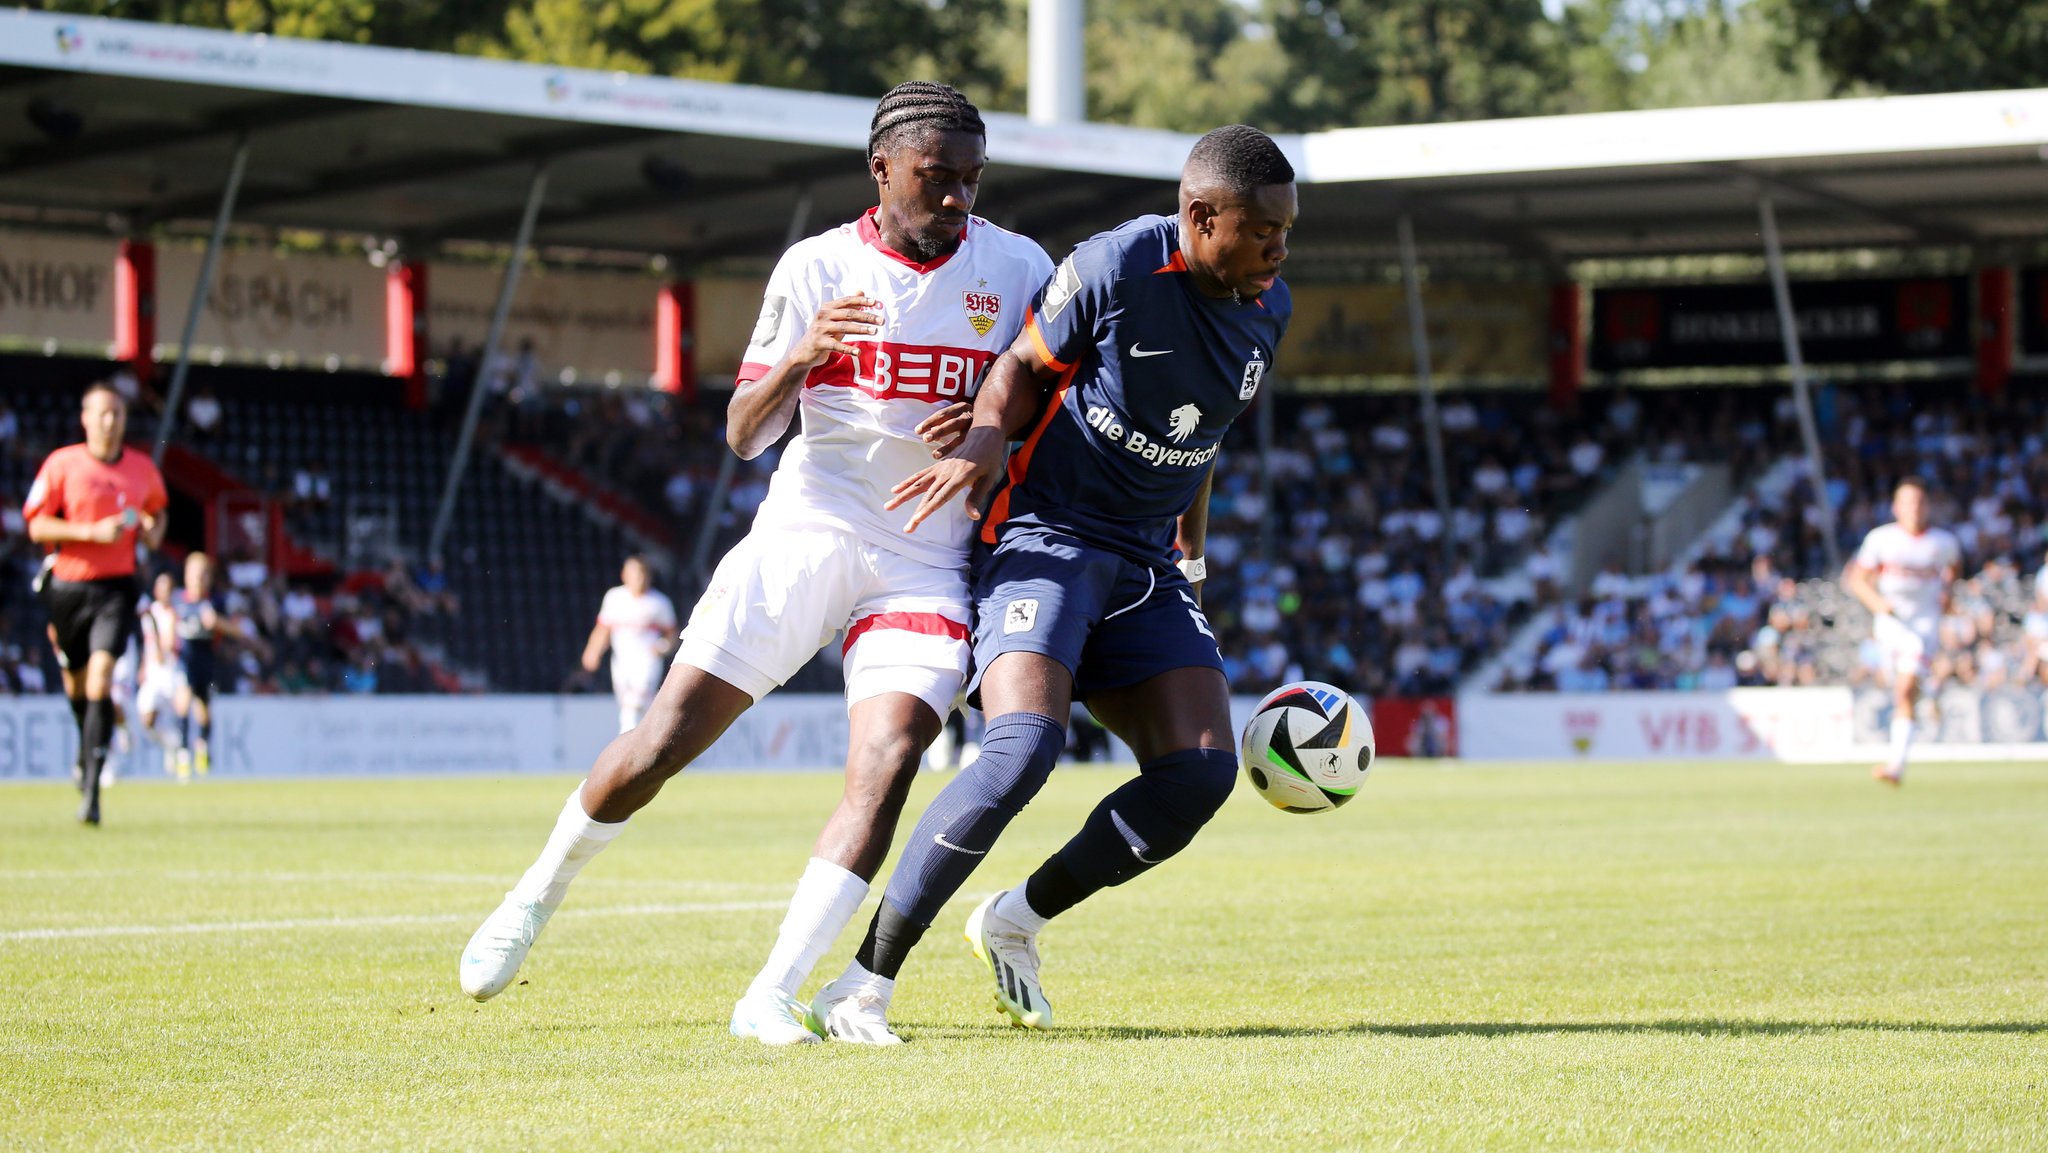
x=1702 y=956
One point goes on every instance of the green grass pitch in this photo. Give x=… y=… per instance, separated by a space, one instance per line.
x=1709 y=956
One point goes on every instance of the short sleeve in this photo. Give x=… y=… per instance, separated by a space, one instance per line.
x=156 y=499
x=608 y=611
x=785 y=307
x=46 y=495
x=1869 y=555
x=667 y=619
x=1066 y=314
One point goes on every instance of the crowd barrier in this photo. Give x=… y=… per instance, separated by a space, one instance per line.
x=1804 y=725
x=392 y=736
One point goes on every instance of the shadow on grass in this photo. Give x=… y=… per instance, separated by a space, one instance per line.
x=1685 y=1028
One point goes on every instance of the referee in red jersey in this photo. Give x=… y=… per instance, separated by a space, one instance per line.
x=91 y=502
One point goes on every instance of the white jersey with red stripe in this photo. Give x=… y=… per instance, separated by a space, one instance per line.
x=943 y=323
x=1911 y=571
x=640 y=625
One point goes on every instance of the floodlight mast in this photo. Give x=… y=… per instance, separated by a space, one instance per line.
x=487 y=358
x=168 y=423
x=1802 y=396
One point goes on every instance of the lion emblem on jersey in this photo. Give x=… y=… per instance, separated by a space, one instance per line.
x=1180 y=424
x=982 y=310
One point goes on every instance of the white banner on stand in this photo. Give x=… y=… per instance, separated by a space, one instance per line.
x=1811 y=726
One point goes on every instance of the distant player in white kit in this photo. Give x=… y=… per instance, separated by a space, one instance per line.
x=875 y=332
x=1903 y=574
x=163 y=673
x=638 y=623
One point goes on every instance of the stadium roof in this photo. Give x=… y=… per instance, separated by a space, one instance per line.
x=123 y=125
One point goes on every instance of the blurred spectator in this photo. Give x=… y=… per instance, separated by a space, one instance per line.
x=202 y=414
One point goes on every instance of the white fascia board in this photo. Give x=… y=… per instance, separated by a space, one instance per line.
x=1880 y=126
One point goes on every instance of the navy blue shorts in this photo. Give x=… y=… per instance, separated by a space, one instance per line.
x=1111 y=620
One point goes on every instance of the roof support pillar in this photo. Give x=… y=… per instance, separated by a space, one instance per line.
x=169 y=424
x=1432 y=428
x=1802 y=395
x=729 y=463
x=487 y=358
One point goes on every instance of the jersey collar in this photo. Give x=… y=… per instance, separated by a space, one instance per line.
x=871 y=235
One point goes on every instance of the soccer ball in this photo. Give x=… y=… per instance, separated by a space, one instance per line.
x=1308 y=747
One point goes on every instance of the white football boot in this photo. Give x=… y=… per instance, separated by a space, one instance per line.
x=1011 y=955
x=773 y=1018
x=493 y=956
x=855 y=1010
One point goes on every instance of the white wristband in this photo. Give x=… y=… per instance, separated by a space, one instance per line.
x=1195 y=568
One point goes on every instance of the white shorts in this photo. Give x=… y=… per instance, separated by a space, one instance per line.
x=635 y=680
x=159 y=689
x=1909 y=646
x=783 y=593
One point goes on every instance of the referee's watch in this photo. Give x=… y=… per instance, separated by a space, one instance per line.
x=1195 y=568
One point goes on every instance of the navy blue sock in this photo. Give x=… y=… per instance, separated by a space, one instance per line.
x=1018 y=751
x=1142 y=823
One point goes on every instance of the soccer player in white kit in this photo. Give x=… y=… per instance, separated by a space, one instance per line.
x=875 y=332
x=163 y=673
x=1903 y=574
x=638 y=623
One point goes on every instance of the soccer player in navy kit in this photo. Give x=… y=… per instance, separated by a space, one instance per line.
x=1145 y=345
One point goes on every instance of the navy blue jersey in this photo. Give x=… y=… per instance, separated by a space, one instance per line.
x=1152 y=372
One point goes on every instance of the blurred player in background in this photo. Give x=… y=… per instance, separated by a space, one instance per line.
x=199 y=622
x=873 y=331
x=1146 y=345
x=1903 y=574
x=638 y=623
x=95 y=502
x=162 y=674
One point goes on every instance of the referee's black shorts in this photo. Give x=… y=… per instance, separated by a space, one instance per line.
x=91 y=617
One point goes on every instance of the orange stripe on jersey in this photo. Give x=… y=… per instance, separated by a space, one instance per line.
x=1020 y=461
x=1038 y=342
x=930 y=624
x=1179 y=263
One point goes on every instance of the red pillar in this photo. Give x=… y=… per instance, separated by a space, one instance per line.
x=1567 y=345
x=405 y=328
x=1994 y=329
x=135 y=307
x=675 y=339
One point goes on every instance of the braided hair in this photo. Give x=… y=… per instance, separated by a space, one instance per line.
x=917 y=105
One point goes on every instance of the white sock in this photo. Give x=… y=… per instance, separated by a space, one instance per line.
x=628 y=717
x=1902 y=740
x=826 y=899
x=857 y=974
x=1012 y=907
x=575 y=840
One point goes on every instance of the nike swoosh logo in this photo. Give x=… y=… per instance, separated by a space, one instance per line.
x=943 y=843
x=1139 y=352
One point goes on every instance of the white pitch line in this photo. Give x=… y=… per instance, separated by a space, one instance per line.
x=363 y=922
x=286 y=878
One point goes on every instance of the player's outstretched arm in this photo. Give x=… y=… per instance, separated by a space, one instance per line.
x=1194 y=529
x=593 y=649
x=1008 y=400
x=761 y=410
x=1856 y=578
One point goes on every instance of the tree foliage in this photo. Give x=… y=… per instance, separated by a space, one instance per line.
x=1408 y=61
x=1923 y=45
x=1193 y=64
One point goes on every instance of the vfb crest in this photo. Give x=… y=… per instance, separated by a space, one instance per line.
x=1254 y=371
x=982 y=310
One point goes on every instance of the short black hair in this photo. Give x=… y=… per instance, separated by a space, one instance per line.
x=917 y=105
x=1237 y=159
x=1911 y=480
x=106 y=386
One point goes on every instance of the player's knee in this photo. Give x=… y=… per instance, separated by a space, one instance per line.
x=1198 y=782
x=1018 y=752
